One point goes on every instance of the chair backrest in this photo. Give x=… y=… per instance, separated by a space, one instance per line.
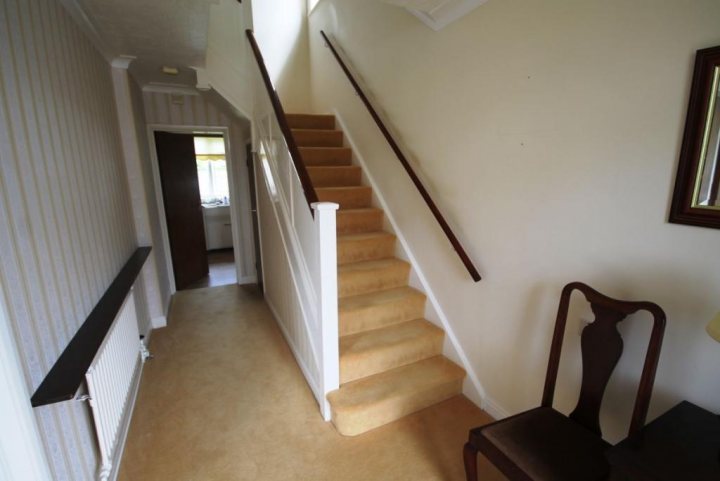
x=602 y=347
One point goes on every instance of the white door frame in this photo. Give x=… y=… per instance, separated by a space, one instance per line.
x=22 y=457
x=233 y=188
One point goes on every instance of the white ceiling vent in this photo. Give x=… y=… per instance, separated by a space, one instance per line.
x=437 y=14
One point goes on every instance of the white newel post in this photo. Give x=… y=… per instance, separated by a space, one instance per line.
x=325 y=218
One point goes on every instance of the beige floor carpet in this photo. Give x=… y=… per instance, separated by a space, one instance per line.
x=224 y=400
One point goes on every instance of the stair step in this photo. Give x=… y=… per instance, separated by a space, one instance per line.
x=380 y=308
x=311 y=121
x=318 y=138
x=367 y=403
x=354 y=221
x=348 y=197
x=326 y=155
x=335 y=176
x=363 y=277
x=371 y=352
x=365 y=247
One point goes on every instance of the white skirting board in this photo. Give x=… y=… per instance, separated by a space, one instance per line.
x=493 y=408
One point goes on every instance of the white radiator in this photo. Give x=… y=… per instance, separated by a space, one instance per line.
x=111 y=387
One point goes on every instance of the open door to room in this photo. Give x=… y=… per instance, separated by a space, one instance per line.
x=183 y=210
x=196 y=198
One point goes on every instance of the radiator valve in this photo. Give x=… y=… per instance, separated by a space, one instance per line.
x=144 y=353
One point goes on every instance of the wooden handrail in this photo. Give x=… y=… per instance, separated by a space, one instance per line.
x=68 y=373
x=308 y=189
x=408 y=168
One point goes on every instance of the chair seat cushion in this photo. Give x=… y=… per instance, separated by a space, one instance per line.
x=544 y=445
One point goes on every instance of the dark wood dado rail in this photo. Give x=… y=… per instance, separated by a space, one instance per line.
x=408 y=168
x=68 y=373
x=307 y=186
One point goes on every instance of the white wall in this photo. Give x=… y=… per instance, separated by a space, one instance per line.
x=66 y=227
x=210 y=110
x=549 y=133
x=228 y=59
x=280 y=28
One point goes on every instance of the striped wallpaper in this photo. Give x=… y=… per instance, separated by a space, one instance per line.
x=203 y=109
x=66 y=225
x=211 y=110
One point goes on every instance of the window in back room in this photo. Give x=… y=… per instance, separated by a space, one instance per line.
x=212 y=170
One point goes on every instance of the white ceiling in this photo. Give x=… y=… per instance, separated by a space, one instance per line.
x=157 y=32
x=175 y=32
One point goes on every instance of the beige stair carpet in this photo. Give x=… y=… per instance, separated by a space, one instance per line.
x=391 y=362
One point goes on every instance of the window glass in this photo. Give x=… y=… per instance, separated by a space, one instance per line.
x=220 y=178
x=212 y=170
x=206 y=190
x=209 y=146
x=268 y=173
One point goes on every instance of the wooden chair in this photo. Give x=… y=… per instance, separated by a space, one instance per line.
x=545 y=445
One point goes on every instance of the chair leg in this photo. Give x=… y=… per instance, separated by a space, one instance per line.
x=470 y=458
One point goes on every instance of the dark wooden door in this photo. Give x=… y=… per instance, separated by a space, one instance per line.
x=253 y=212
x=183 y=211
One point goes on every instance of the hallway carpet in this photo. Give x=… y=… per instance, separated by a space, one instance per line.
x=224 y=400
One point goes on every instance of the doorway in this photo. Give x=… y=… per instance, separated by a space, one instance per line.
x=197 y=203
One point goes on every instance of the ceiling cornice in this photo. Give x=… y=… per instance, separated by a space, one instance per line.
x=123 y=61
x=75 y=9
x=437 y=14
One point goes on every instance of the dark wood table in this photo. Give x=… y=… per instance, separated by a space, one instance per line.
x=681 y=445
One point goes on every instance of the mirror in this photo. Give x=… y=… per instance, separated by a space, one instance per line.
x=706 y=186
x=696 y=200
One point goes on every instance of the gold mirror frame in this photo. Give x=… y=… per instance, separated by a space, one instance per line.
x=685 y=208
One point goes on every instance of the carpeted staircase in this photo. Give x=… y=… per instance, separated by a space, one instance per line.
x=391 y=361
